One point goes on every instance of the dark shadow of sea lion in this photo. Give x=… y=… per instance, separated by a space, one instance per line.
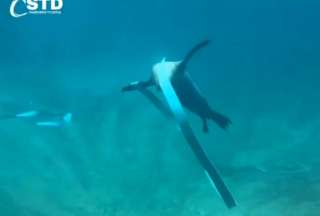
x=187 y=91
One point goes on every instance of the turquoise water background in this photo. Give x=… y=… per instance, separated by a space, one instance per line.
x=120 y=156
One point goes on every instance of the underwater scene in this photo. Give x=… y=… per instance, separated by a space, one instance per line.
x=223 y=120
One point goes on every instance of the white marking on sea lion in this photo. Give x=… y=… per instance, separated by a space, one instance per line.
x=166 y=68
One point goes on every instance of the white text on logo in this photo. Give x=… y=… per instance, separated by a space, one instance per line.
x=35 y=7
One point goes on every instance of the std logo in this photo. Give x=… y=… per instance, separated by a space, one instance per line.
x=20 y=8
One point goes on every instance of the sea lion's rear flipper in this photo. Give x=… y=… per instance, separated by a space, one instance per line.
x=205 y=126
x=222 y=121
x=190 y=54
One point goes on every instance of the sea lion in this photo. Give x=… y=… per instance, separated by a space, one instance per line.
x=179 y=91
x=186 y=90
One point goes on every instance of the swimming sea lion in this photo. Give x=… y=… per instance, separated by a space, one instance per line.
x=186 y=90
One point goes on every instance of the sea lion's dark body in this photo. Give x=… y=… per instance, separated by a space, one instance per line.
x=190 y=96
x=192 y=100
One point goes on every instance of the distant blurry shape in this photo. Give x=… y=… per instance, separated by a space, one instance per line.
x=28 y=114
x=179 y=91
x=40 y=118
x=58 y=121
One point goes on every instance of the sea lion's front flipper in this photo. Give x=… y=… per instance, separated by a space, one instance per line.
x=137 y=85
x=190 y=54
x=221 y=120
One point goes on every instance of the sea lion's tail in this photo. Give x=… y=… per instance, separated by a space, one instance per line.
x=195 y=49
x=221 y=120
x=190 y=54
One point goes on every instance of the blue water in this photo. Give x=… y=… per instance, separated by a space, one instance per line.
x=120 y=156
